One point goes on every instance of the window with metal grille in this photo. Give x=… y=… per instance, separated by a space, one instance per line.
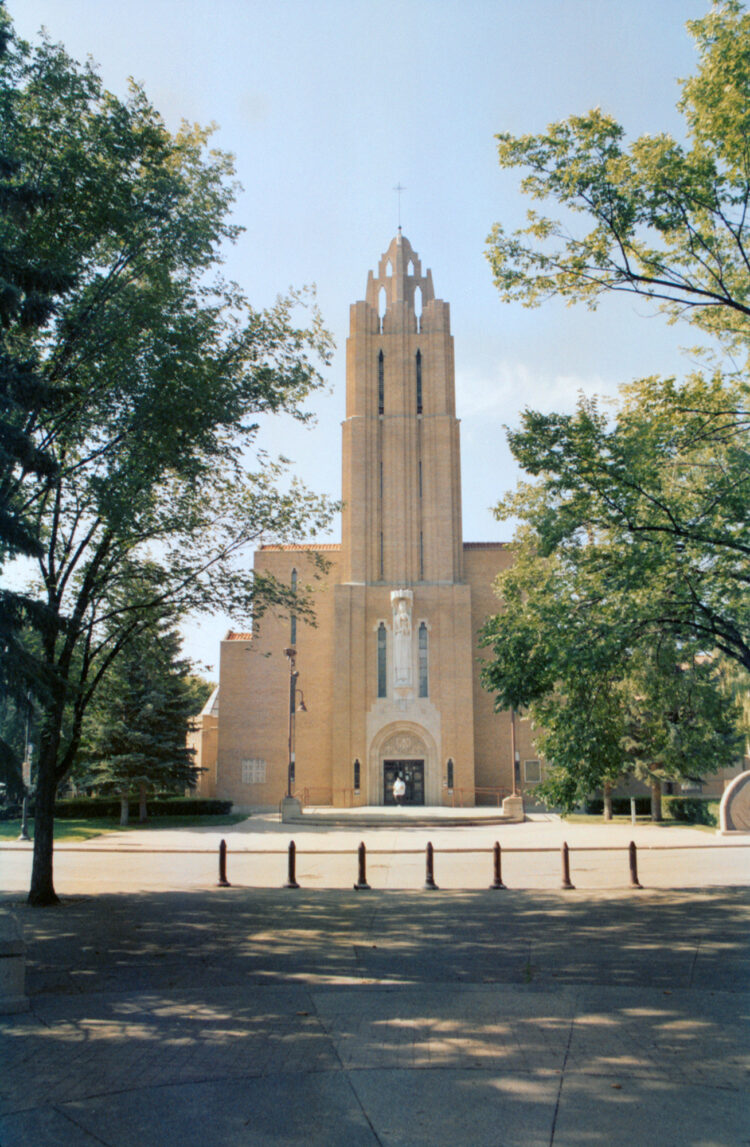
x=419 y=382
x=532 y=772
x=254 y=771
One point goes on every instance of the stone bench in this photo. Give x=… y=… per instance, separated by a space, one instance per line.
x=13 y=997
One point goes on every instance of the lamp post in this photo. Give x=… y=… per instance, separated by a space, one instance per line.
x=514 y=751
x=291 y=654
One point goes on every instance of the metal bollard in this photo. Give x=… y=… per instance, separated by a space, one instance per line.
x=292 y=880
x=223 y=882
x=633 y=857
x=362 y=884
x=498 y=881
x=429 y=882
x=566 y=868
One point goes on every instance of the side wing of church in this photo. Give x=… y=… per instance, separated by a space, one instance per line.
x=386 y=684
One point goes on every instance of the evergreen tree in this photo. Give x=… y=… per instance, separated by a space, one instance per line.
x=135 y=733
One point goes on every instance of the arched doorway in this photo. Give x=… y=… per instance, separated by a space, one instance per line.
x=409 y=751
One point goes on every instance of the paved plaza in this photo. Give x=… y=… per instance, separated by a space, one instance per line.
x=182 y=1013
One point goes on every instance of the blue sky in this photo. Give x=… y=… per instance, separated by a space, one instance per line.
x=328 y=104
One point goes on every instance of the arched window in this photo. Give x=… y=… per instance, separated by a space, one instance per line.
x=381 y=383
x=381 y=661
x=382 y=306
x=293 y=626
x=418 y=306
x=419 y=382
x=423 y=667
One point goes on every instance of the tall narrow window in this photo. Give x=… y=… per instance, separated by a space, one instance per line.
x=421 y=556
x=419 y=382
x=356 y=775
x=423 y=679
x=382 y=565
x=420 y=478
x=381 y=383
x=449 y=773
x=381 y=661
x=293 y=625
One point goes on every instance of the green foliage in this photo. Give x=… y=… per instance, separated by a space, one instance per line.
x=156 y=374
x=594 y=806
x=198 y=689
x=691 y=810
x=86 y=808
x=134 y=732
x=652 y=503
x=669 y=221
x=630 y=594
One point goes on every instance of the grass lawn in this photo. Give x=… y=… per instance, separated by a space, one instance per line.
x=588 y=818
x=86 y=829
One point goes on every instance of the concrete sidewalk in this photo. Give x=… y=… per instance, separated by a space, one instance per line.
x=268 y=1017
x=175 y=859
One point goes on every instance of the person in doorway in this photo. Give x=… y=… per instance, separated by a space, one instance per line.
x=399 y=790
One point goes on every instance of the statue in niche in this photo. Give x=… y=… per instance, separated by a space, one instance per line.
x=401 y=602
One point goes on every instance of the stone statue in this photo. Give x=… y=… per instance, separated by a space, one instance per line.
x=401 y=603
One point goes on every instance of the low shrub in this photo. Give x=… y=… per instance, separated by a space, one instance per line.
x=88 y=808
x=691 y=810
x=620 y=806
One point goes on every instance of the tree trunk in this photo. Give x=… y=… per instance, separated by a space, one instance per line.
x=656 y=800
x=142 y=810
x=607 y=790
x=124 y=808
x=42 y=890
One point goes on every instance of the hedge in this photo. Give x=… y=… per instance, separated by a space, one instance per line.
x=90 y=808
x=691 y=810
x=620 y=806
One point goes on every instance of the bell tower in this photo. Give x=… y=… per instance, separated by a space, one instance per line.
x=401 y=454
x=403 y=661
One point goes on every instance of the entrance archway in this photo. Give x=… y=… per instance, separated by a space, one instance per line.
x=404 y=748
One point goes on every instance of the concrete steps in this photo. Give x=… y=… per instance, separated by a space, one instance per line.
x=406 y=817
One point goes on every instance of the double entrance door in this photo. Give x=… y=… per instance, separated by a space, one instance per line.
x=412 y=774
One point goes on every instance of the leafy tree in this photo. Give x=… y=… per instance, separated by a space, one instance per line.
x=159 y=375
x=134 y=733
x=670 y=222
x=29 y=291
x=199 y=689
x=649 y=510
x=633 y=539
x=635 y=535
x=659 y=715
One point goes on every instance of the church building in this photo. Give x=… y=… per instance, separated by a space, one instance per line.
x=386 y=684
